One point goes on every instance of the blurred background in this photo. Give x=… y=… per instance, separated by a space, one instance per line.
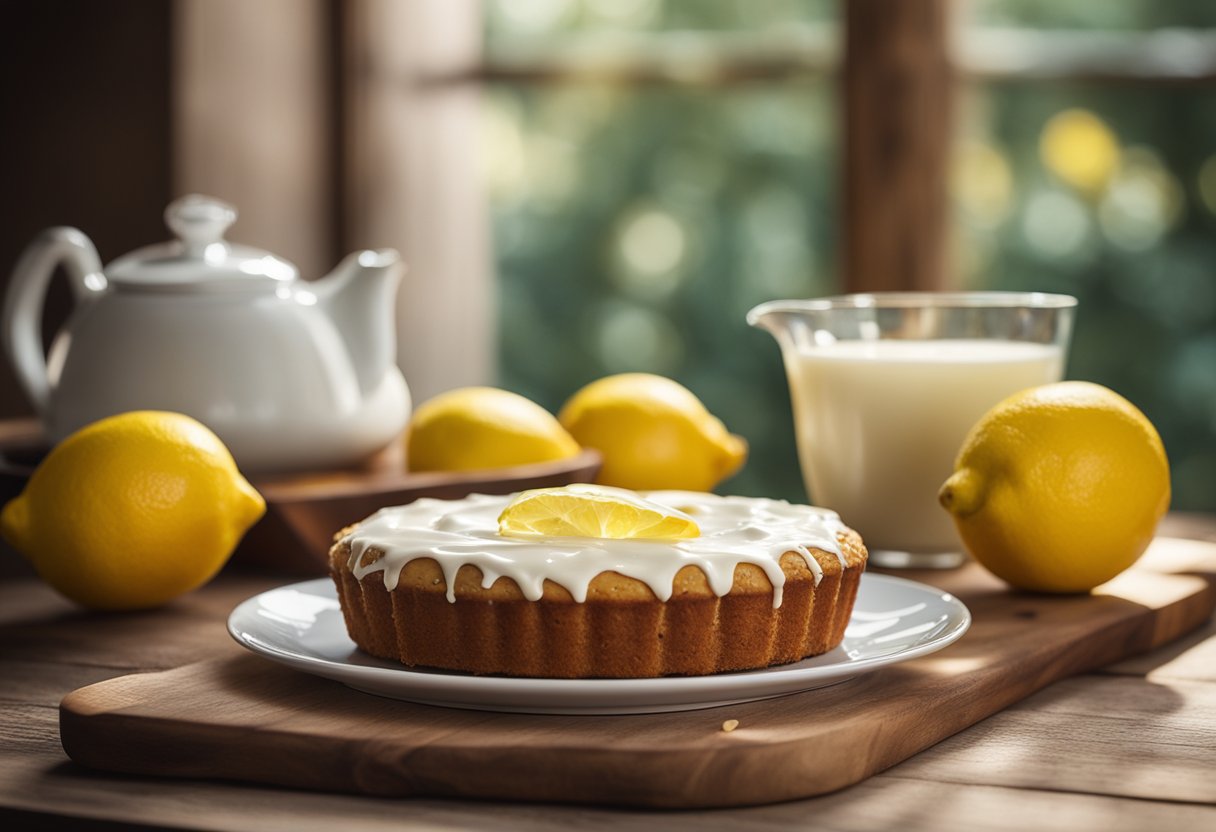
x=585 y=187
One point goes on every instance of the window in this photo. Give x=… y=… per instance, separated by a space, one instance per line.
x=1090 y=169
x=656 y=168
x=649 y=185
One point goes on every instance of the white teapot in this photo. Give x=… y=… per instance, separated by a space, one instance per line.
x=291 y=375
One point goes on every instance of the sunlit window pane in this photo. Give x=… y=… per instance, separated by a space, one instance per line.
x=1107 y=191
x=634 y=228
x=636 y=222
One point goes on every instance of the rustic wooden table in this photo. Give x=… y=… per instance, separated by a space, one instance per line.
x=1132 y=747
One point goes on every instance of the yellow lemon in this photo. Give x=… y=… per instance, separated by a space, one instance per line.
x=654 y=434
x=1059 y=488
x=483 y=427
x=132 y=511
x=593 y=511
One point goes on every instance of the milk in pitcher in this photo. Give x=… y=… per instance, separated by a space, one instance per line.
x=879 y=424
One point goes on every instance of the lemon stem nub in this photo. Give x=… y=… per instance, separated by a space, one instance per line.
x=734 y=454
x=14 y=524
x=961 y=494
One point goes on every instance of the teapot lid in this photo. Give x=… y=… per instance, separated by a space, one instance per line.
x=200 y=260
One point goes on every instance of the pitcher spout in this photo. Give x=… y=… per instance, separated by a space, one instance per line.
x=359 y=296
x=766 y=316
x=781 y=319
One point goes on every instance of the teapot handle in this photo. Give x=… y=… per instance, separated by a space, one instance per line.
x=21 y=318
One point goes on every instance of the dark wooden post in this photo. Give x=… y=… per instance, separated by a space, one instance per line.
x=898 y=90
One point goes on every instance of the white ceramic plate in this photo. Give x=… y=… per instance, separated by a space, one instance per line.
x=301 y=626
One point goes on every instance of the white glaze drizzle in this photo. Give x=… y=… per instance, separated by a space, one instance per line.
x=734 y=530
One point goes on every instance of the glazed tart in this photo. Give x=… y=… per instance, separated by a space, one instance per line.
x=435 y=584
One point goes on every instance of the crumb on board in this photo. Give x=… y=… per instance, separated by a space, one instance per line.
x=730 y=725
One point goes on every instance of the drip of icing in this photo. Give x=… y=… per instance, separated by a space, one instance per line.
x=734 y=530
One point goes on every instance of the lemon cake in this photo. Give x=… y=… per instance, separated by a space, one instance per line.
x=747 y=583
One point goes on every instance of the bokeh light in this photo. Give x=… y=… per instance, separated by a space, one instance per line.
x=502 y=148
x=1143 y=201
x=531 y=17
x=651 y=249
x=1079 y=148
x=774 y=238
x=634 y=223
x=652 y=242
x=1207 y=184
x=635 y=338
x=1116 y=209
x=541 y=167
x=552 y=170
x=982 y=182
x=1056 y=224
x=626 y=14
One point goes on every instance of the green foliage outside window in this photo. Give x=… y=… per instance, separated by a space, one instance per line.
x=635 y=225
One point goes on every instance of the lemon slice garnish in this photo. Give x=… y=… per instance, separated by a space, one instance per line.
x=593 y=511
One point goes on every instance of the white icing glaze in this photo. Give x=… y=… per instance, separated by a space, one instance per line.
x=734 y=530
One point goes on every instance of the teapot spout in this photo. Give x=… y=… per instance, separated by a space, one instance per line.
x=359 y=295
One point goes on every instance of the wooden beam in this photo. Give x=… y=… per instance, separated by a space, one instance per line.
x=412 y=181
x=991 y=54
x=897 y=91
x=664 y=58
x=1161 y=57
x=253 y=120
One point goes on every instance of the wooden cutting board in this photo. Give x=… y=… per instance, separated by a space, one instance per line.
x=244 y=718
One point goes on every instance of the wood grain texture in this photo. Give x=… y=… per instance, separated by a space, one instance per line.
x=36 y=777
x=242 y=718
x=1192 y=657
x=1037 y=743
x=887 y=801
